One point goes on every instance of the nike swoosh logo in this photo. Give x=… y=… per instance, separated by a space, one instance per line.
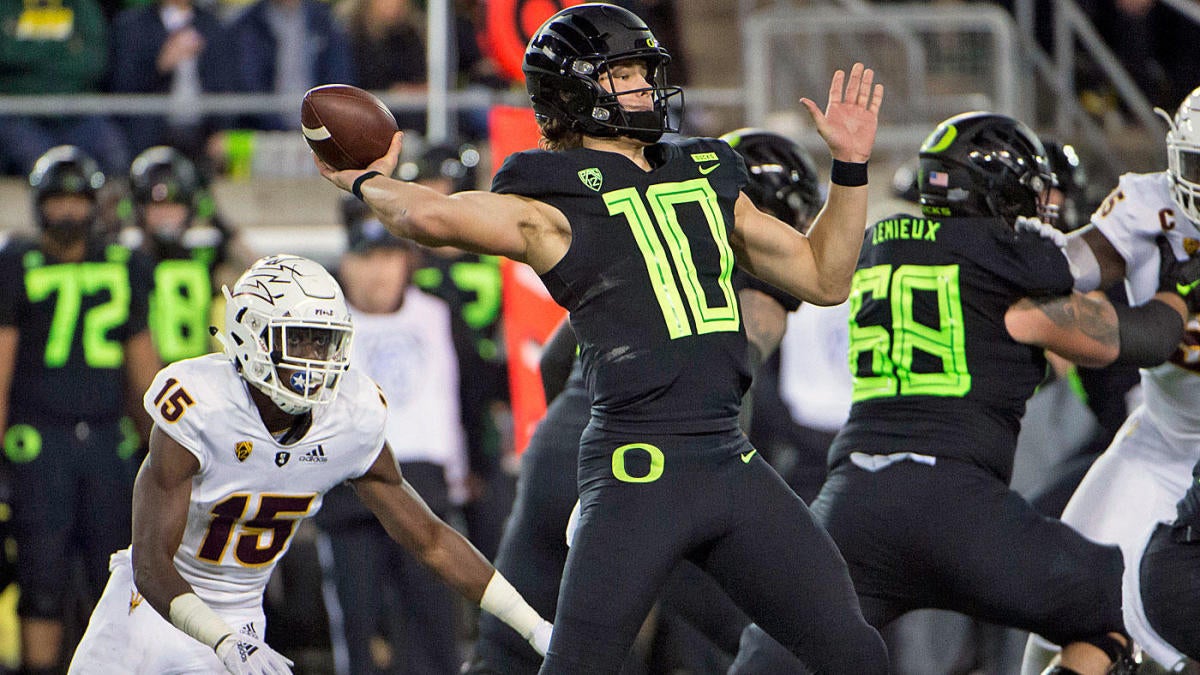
x=1186 y=290
x=747 y=456
x=705 y=170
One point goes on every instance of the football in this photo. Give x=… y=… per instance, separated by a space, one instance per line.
x=347 y=127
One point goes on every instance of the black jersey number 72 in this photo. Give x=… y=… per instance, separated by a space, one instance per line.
x=671 y=266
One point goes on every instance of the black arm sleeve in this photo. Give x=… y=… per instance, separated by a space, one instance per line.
x=1149 y=333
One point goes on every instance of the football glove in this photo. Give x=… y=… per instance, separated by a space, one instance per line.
x=1178 y=276
x=245 y=654
x=1041 y=229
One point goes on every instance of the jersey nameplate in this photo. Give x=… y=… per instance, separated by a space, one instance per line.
x=918 y=229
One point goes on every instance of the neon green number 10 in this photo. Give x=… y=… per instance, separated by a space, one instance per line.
x=663 y=199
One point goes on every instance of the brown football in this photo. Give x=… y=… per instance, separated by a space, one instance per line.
x=347 y=127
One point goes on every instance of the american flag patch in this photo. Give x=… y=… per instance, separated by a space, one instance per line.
x=939 y=178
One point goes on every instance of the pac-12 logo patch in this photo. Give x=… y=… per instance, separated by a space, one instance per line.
x=592 y=178
x=242 y=450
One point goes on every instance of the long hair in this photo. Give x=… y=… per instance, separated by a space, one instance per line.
x=558 y=135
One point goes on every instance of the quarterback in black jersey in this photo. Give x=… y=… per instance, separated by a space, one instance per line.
x=950 y=313
x=74 y=351
x=638 y=240
x=533 y=550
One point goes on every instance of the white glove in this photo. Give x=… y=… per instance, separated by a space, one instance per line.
x=245 y=654
x=1043 y=230
x=540 y=638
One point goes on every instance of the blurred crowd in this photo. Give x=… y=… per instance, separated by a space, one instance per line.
x=188 y=48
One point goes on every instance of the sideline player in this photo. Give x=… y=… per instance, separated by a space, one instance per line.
x=638 y=240
x=75 y=353
x=950 y=314
x=1136 y=483
x=245 y=444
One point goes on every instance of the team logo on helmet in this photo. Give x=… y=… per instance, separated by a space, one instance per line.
x=592 y=178
x=242 y=450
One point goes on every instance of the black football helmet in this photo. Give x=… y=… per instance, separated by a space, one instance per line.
x=64 y=170
x=458 y=163
x=164 y=174
x=571 y=52
x=783 y=177
x=1071 y=179
x=984 y=164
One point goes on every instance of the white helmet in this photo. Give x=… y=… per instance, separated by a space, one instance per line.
x=1183 y=155
x=288 y=331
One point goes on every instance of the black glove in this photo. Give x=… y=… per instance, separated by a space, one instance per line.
x=1178 y=276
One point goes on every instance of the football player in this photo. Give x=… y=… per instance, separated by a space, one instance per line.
x=638 y=240
x=191 y=249
x=1135 y=485
x=74 y=353
x=245 y=444
x=950 y=314
x=783 y=182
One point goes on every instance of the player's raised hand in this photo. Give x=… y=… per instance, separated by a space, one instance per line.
x=385 y=165
x=852 y=115
x=244 y=654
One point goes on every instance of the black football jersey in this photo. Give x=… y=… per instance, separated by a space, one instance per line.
x=73 y=320
x=648 y=279
x=935 y=370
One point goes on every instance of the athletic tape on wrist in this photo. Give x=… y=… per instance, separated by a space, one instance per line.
x=848 y=174
x=191 y=615
x=503 y=601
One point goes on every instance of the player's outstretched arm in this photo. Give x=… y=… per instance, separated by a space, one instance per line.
x=522 y=229
x=160 y=506
x=1091 y=331
x=442 y=549
x=818 y=268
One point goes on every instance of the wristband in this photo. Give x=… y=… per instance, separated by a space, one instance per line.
x=848 y=174
x=356 y=186
x=1148 y=333
x=191 y=615
x=503 y=601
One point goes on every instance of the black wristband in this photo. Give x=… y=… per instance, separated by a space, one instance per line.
x=356 y=187
x=848 y=174
x=1149 y=333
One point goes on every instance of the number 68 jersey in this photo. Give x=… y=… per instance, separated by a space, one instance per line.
x=251 y=491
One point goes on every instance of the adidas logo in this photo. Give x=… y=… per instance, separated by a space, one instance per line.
x=316 y=455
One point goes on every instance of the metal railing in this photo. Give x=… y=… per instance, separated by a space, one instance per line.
x=905 y=57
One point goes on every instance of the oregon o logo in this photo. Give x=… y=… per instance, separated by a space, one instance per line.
x=22 y=443
x=656 y=463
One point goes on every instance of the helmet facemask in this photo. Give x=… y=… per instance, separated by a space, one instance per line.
x=288 y=330
x=1183 y=156
x=609 y=118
